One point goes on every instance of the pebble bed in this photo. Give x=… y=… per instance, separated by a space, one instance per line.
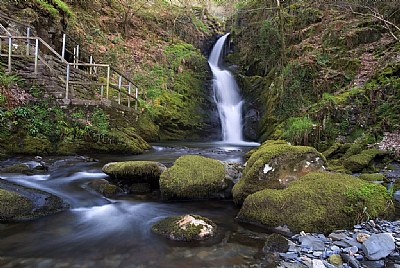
x=372 y=244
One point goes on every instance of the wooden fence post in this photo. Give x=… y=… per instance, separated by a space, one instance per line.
x=137 y=96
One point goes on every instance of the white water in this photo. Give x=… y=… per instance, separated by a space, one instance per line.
x=226 y=96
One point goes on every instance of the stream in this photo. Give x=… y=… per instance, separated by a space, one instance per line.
x=101 y=232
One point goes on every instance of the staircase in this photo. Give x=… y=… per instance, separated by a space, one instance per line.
x=71 y=83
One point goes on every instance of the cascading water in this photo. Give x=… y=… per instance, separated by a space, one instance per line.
x=226 y=96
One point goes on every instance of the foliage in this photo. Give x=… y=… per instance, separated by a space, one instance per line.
x=298 y=129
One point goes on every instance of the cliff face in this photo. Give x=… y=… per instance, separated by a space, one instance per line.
x=314 y=73
x=160 y=46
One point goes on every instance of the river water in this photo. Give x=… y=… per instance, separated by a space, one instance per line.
x=101 y=232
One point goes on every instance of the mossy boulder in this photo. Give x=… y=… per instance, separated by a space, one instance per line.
x=19 y=203
x=126 y=174
x=274 y=165
x=372 y=177
x=195 y=177
x=28 y=168
x=317 y=202
x=185 y=228
x=105 y=188
x=359 y=162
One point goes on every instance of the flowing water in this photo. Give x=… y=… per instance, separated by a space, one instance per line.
x=226 y=96
x=101 y=232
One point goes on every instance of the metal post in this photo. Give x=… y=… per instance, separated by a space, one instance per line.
x=9 y=53
x=28 y=41
x=91 y=62
x=119 y=89
x=129 y=95
x=63 y=46
x=108 y=81
x=77 y=56
x=36 y=55
x=136 y=96
x=74 y=57
x=67 y=82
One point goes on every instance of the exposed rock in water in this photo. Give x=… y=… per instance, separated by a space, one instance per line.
x=126 y=174
x=28 y=168
x=274 y=165
x=105 y=188
x=358 y=162
x=316 y=202
x=195 y=177
x=20 y=203
x=185 y=228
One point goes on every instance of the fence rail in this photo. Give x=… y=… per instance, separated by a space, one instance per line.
x=112 y=84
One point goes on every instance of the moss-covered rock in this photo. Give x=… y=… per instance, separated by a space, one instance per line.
x=317 y=202
x=358 y=162
x=19 y=203
x=372 y=177
x=105 y=188
x=27 y=168
x=185 y=228
x=125 y=174
x=195 y=177
x=274 y=165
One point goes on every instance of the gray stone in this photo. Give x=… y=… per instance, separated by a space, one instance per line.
x=350 y=260
x=289 y=255
x=312 y=242
x=379 y=246
x=374 y=264
x=318 y=264
x=337 y=236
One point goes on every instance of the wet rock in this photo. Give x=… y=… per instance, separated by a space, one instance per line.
x=124 y=174
x=233 y=171
x=28 y=168
x=185 y=228
x=195 y=177
x=337 y=236
x=19 y=203
x=276 y=243
x=379 y=246
x=105 y=188
x=300 y=205
x=351 y=260
x=274 y=165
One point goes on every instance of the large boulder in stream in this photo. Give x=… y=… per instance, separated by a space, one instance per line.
x=274 y=165
x=195 y=177
x=185 y=228
x=134 y=175
x=317 y=202
x=19 y=203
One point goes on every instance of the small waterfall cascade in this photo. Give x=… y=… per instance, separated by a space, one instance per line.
x=226 y=96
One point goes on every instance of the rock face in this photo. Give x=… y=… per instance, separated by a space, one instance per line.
x=185 y=228
x=127 y=174
x=195 y=177
x=316 y=202
x=379 y=246
x=105 y=188
x=19 y=203
x=274 y=165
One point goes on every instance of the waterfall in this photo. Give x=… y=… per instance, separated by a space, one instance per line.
x=226 y=96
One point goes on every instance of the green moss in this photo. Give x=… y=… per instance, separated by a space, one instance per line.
x=318 y=202
x=372 y=177
x=170 y=228
x=18 y=168
x=358 y=162
x=193 y=177
x=284 y=163
x=134 y=170
x=13 y=205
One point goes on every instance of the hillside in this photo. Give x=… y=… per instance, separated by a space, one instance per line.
x=161 y=46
